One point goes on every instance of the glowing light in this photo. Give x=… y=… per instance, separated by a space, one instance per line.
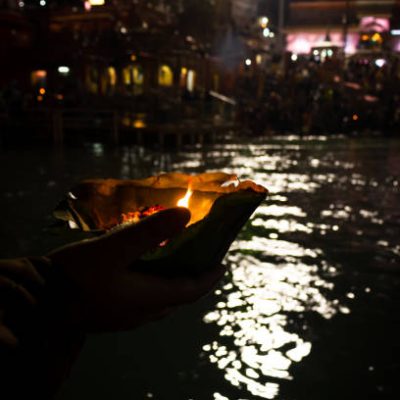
x=190 y=80
x=294 y=57
x=87 y=6
x=97 y=2
x=42 y=91
x=112 y=76
x=221 y=97
x=133 y=57
x=352 y=85
x=127 y=75
x=138 y=77
x=21 y=4
x=264 y=22
x=301 y=46
x=39 y=98
x=73 y=225
x=165 y=76
x=375 y=24
x=139 y=124
x=184 y=201
x=63 y=70
x=247 y=62
x=355 y=117
x=266 y=32
x=376 y=37
x=304 y=42
x=315 y=52
x=371 y=99
x=395 y=32
x=380 y=62
x=42 y=3
x=258 y=59
x=123 y=30
x=38 y=78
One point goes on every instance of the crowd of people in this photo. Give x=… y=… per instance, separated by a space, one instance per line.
x=312 y=98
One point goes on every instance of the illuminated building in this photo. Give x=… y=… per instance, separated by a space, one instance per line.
x=351 y=24
x=127 y=49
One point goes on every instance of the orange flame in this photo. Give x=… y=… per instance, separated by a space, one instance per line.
x=136 y=216
x=184 y=201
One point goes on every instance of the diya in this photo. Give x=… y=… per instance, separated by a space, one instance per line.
x=219 y=204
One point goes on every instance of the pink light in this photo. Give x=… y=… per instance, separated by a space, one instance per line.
x=375 y=24
x=370 y=99
x=298 y=45
x=396 y=44
x=302 y=43
x=353 y=85
x=87 y=5
x=352 y=42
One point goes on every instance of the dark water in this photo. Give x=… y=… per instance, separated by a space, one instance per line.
x=311 y=306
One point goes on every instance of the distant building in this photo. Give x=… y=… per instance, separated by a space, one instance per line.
x=116 y=49
x=351 y=25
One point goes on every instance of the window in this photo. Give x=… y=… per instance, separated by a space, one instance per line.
x=165 y=76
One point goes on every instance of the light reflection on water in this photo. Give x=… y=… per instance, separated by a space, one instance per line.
x=273 y=279
x=255 y=344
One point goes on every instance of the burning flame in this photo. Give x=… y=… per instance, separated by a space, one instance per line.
x=184 y=201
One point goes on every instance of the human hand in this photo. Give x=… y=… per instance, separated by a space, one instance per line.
x=20 y=287
x=99 y=288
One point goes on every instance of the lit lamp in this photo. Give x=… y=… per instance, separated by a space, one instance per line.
x=219 y=204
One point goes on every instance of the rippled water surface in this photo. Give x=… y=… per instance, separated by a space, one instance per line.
x=311 y=306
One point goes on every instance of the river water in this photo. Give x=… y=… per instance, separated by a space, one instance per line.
x=310 y=308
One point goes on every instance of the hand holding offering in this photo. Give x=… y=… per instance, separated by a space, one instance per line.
x=102 y=289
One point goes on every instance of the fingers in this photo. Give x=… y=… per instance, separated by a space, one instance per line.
x=122 y=247
x=16 y=279
x=7 y=338
x=15 y=302
x=147 y=234
x=11 y=292
x=23 y=271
